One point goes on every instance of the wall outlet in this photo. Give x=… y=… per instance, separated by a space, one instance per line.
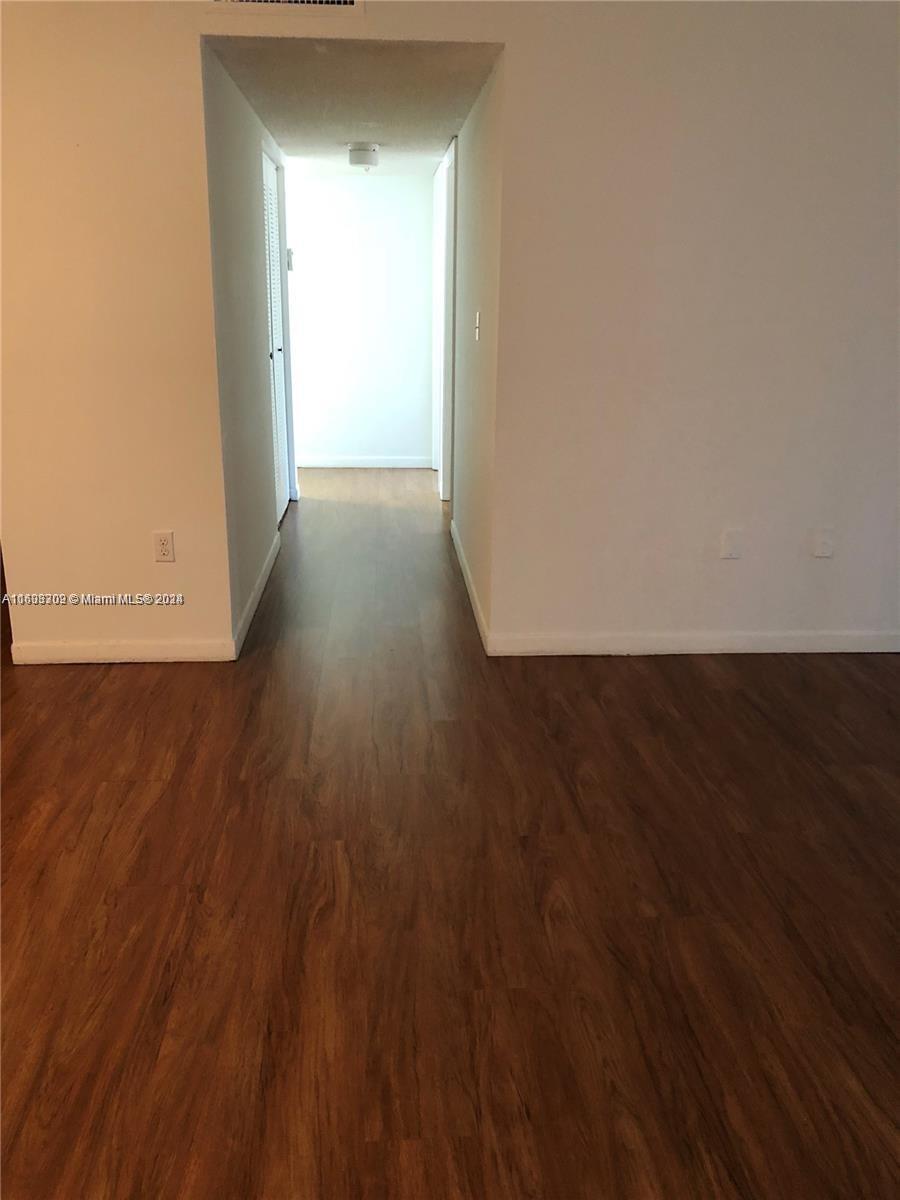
x=164 y=545
x=823 y=543
x=731 y=543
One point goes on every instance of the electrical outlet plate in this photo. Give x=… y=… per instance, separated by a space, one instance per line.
x=164 y=545
x=823 y=543
x=731 y=543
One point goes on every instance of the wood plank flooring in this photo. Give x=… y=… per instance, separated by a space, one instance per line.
x=368 y=915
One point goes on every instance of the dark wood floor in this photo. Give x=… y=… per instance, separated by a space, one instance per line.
x=367 y=914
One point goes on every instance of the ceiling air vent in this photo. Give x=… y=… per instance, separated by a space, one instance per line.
x=302 y=3
x=348 y=8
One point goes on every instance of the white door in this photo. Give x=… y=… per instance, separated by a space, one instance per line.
x=443 y=310
x=276 y=337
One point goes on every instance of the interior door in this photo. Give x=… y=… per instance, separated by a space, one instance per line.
x=276 y=336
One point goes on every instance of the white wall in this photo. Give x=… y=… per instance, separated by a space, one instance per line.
x=697 y=320
x=699 y=329
x=235 y=140
x=360 y=295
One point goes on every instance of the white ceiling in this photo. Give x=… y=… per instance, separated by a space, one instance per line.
x=317 y=95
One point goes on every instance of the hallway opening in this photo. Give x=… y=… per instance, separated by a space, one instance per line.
x=355 y=306
x=368 y=296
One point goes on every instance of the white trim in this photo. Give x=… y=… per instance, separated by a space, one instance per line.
x=160 y=650
x=470 y=587
x=110 y=651
x=369 y=461
x=279 y=364
x=787 y=641
x=446 y=467
x=443 y=317
x=255 y=596
x=293 y=491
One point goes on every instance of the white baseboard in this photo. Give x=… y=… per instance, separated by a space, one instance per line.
x=312 y=463
x=110 y=651
x=253 y=599
x=151 y=650
x=470 y=587
x=694 y=642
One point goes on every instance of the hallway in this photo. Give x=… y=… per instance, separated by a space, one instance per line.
x=368 y=914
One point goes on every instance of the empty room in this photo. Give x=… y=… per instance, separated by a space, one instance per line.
x=451 y=600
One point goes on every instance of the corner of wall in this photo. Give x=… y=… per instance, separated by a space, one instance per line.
x=481 y=616
x=242 y=625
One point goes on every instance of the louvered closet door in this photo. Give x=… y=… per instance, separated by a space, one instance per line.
x=276 y=335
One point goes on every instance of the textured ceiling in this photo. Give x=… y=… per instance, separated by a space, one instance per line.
x=316 y=95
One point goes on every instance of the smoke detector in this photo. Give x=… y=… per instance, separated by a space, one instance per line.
x=363 y=154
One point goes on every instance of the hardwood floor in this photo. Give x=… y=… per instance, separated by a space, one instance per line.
x=367 y=914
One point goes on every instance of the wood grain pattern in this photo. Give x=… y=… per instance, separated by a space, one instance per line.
x=368 y=915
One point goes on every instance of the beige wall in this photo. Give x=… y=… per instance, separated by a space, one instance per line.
x=478 y=198
x=235 y=139
x=698 y=318
x=110 y=415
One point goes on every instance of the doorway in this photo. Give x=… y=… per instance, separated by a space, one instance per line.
x=371 y=300
x=267 y=102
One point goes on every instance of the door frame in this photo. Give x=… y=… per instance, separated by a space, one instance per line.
x=287 y=396
x=444 y=340
x=293 y=482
